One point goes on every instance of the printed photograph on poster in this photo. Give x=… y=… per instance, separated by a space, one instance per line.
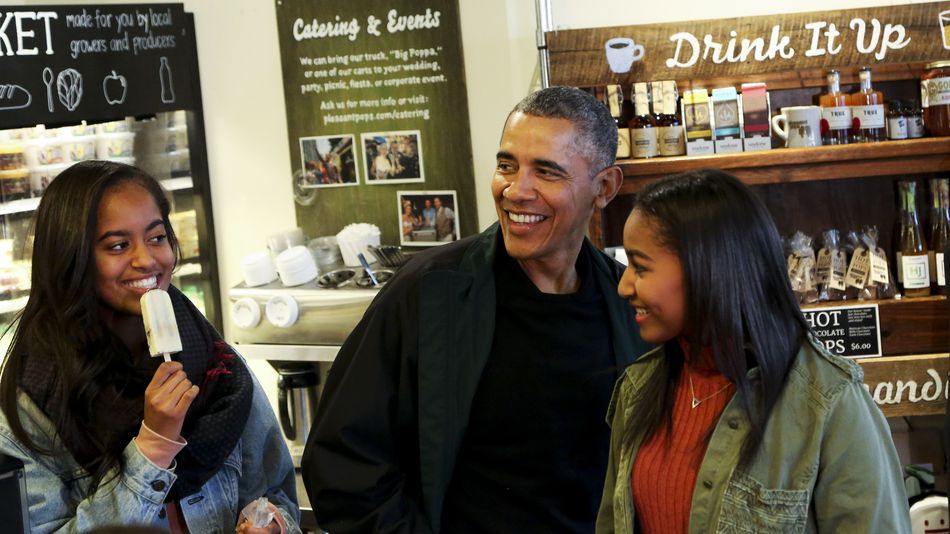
x=328 y=161
x=393 y=157
x=427 y=218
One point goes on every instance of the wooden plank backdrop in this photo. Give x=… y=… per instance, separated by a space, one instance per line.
x=908 y=385
x=785 y=50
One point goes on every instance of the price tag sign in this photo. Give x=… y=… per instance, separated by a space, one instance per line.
x=851 y=331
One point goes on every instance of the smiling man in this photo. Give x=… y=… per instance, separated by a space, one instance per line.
x=472 y=395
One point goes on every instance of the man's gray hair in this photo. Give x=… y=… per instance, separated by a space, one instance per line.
x=596 y=128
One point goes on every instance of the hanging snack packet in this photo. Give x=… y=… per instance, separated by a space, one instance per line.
x=859 y=269
x=832 y=268
x=801 y=272
x=880 y=274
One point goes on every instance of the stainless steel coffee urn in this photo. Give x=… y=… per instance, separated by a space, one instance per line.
x=296 y=402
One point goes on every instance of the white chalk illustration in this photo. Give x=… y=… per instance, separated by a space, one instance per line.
x=48 y=80
x=165 y=75
x=622 y=53
x=69 y=88
x=115 y=88
x=14 y=97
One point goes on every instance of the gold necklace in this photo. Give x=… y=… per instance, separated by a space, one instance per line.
x=698 y=401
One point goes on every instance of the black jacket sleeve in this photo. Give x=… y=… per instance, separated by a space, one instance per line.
x=360 y=466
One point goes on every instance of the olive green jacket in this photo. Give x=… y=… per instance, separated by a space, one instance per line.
x=827 y=462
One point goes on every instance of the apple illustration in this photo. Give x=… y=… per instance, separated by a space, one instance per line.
x=114 y=87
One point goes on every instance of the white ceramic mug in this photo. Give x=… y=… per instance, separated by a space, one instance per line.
x=622 y=52
x=799 y=126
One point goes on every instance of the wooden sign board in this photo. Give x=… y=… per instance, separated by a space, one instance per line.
x=908 y=385
x=742 y=48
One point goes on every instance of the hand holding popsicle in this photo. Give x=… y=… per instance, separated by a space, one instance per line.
x=161 y=329
x=167 y=399
x=170 y=393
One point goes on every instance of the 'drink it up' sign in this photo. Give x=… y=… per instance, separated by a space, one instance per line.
x=736 y=46
x=59 y=64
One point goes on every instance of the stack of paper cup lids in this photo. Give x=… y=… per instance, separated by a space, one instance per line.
x=296 y=266
x=258 y=269
x=353 y=240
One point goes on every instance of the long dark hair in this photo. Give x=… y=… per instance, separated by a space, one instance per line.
x=61 y=322
x=739 y=301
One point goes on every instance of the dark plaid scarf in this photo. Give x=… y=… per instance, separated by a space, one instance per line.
x=215 y=419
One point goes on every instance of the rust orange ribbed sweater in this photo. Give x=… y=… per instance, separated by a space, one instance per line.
x=664 y=473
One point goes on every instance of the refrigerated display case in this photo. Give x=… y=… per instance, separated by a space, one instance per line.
x=135 y=99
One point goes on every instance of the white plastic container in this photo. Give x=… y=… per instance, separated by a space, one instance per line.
x=82 y=129
x=123 y=126
x=51 y=151
x=258 y=269
x=115 y=145
x=42 y=176
x=79 y=148
x=296 y=266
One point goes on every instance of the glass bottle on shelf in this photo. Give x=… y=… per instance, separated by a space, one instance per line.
x=914 y=261
x=670 y=134
x=915 y=119
x=615 y=104
x=939 y=233
x=643 y=131
x=835 y=113
x=656 y=101
x=867 y=108
x=896 y=120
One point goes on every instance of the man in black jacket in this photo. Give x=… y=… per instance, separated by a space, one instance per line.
x=472 y=395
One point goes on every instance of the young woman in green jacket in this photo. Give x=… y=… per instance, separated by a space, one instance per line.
x=740 y=421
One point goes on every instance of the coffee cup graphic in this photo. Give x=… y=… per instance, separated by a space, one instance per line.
x=622 y=52
x=944 y=18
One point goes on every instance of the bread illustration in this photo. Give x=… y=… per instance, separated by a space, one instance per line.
x=14 y=97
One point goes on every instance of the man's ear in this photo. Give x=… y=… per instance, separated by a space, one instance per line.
x=607 y=184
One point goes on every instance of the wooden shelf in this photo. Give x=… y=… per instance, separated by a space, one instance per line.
x=787 y=165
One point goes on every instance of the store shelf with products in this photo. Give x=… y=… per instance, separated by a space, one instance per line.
x=787 y=165
x=177 y=184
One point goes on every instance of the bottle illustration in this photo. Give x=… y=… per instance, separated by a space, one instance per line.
x=168 y=87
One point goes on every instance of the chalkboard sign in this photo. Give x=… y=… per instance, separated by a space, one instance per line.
x=377 y=118
x=852 y=331
x=60 y=64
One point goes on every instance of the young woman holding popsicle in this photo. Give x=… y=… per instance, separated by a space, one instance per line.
x=108 y=434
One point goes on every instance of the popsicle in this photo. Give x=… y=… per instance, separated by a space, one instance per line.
x=161 y=329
